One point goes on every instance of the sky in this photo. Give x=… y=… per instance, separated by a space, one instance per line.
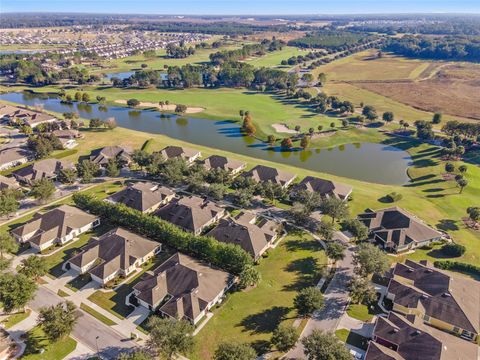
x=242 y=7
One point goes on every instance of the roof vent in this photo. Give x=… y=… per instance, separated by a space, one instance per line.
x=424 y=296
x=410 y=270
x=429 y=271
x=447 y=294
x=417 y=332
x=395 y=330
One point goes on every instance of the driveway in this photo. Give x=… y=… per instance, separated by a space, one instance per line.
x=336 y=300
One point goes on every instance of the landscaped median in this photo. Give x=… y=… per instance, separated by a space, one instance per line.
x=97 y=315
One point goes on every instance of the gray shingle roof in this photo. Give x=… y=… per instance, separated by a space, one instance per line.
x=142 y=195
x=261 y=173
x=323 y=187
x=222 y=162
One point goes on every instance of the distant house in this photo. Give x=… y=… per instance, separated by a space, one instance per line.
x=8 y=183
x=59 y=225
x=104 y=155
x=14 y=156
x=187 y=154
x=254 y=235
x=224 y=163
x=445 y=301
x=116 y=253
x=25 y=117
x=68 y=137
x=261 y=173
x=181 y=288
x=48 y=168
x=404 y=338
x=143 y=196
x=397 y=230
x=325 y=188
x=191 y=213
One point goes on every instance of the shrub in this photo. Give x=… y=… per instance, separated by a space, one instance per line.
x=394 y=196
x=452 y=249
x=458 y=266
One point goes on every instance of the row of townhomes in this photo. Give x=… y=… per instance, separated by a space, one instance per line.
x=435 y=316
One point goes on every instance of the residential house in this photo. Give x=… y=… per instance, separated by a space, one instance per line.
x=191 y=213
x=25 y=116
x=116 y=253
x=56 y=226
x=8 y=183
x=397 y=230
x=68 y=137
x=325 y=188
x=445 y=301
x=181 y=288
x=48 y=168
x=253 y=234
x=224 y=163
x=14 y=156
x=261 y=173
x=187 y=154
x=143 y=196
x=104 y=155
x=405 y=338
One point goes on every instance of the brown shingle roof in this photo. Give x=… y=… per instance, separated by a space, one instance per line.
x=222 y=162
x=171 y=152
x=8 y=183
x=142 y=195
x=261 y=173
x=13 y=154
x=324 y=188
x=48 y=168
x=103 y=155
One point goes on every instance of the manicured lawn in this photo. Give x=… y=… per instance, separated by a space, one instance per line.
x=62 y=293
x=37 y=340
x=352 y=338
x=97 y=315
x=251 y=315
x=14 y=319
x=361 y=312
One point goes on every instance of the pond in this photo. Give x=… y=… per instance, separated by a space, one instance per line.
x=127 y=74
x=363 y=161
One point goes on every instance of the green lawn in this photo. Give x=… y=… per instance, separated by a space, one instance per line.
x=97 y=315
x=361 y=312
x=37 y=340
x=62 y=293
x=14 y=319
x=274 y=59
x=251 y=315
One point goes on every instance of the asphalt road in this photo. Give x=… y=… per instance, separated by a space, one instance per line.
x=87 y=329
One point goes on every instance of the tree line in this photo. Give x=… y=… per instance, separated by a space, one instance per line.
x=332 y=39
x=246 y=51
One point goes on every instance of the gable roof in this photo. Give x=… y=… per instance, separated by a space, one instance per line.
x=245 y=232
x=396 y=226
x=447 y=297
x=115 y=250
x=222 y=162
x=190 y=284
x=47 y=168
x=185 y=153
x=8 y=183
x=261 y=173
x=103 y=155
x=191 y=213
x=325 y=188
x=12 y=154
x=54 y=224
x=141 y=195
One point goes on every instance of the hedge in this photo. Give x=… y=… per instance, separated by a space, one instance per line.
x=458 y=266
x=228 y=257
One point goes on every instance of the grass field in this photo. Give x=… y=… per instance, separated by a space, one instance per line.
x=251 y=315
x=37 y=340
x=274 y=59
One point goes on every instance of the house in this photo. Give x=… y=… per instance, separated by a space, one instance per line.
x=254 y=235
x=181 y=288
x=8 y=183
x=68 y=137
x=224 y=163
x=118 y=153
x=143 y=196
x=445 y=301
x=57 y=226
x=6 y=111
x=25 y=117
x=402 y=338
x=191 y=213
x=14 y=156
x=116 y=253
x=261 y=173
x=325 y=188
x=48 y=168
x=397 y=230
x=187 y=154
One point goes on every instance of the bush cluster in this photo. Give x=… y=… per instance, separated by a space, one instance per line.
x=458 y=266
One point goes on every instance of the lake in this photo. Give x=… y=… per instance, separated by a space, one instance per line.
x=370 y=162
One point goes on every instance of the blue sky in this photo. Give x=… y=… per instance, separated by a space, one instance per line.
x=254 y=7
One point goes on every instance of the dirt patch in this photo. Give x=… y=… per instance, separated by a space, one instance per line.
x=169 y=107
x=452 y=90
x=282 y=128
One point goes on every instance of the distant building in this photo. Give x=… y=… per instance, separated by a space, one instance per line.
x=187 y=154
x=104 y=155
x=24 y=116
x=261 y=173
x=143 y=196
x=48 y=168
x=397 y=230
x=224 y=163
x=325 y=188
x=181 y=288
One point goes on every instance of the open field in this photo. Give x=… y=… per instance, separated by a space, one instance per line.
x=274 y=59
x=251 y=315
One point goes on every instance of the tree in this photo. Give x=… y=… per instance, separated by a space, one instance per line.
x=234 y=351
x=286 y=143
x=320 y=128
x=95 y=123
x=271 y=139
x=437 y=118
x=325 y=230
x=8 y=203
x=361 y=291
x=34 y=267
x=388 y=116
x=58 y=321
x=322 y=79
x=16 y=291
x=241 y=113
x=305 y=142
x=169 y=337
x=141 y=158
x=449 y=167
x=454 y=250
x=87 y=170
x=135 y=355
x=297 y=128
x=356 y=228
x=133 y=102
x=345 y=123
x=474 y=213
x=242 y=197
x=85 y=97
x=308 y=300
x=300 y=213
x=7 y=244
x=112 y=169
x=369 y=112
x=334 y=207
x=110 y=123
x=335 y=250
x=249 y=277
x=42 y=190
x=324 y=346
x=332 y=125
x=284 y=337
x=181 y=109
x=67 y=176
x=370 y=259
x=462 y=183
x=463 y=169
